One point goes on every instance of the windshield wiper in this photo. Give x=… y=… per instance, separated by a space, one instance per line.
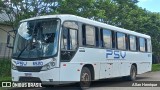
x=23 y=50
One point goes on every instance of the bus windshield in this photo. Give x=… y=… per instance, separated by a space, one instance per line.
x=36 y=39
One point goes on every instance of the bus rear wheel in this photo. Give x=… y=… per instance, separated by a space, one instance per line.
x=133 y=73
x=85 y=78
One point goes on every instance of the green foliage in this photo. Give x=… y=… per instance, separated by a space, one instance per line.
x=5 y=70
x=156 y=67
x=17 y=10
x=4 y=88
x=121 y=13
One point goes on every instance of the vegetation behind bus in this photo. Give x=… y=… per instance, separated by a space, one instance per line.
x=122 y=13
x=156 y=67
x=5 y=69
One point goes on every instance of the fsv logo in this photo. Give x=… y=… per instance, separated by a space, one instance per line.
x=116 y=54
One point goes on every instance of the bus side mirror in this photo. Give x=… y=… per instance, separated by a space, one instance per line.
x=9 y=35
x=8 y=41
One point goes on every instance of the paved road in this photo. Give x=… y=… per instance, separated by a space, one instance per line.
x=113 y=84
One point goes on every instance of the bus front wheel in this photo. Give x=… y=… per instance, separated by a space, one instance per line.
x=133 y=73
x=85 y=78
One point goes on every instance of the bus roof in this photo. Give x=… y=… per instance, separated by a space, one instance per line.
x=64 y=17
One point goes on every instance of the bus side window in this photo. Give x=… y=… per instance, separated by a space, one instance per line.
x=64 y=41
x=142 y=44
x=132 y=43
x=121 y=41
x=69 y=39
x=106 y=38
x=149 y=45
x=88 y=35
x=73 y=39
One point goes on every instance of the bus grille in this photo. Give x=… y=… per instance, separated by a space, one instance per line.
x=29 y=69
x=29 y=79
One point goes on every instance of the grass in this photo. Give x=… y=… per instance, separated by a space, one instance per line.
x=5 y=78
x=155 y=67
x=5 y=70
x=4 y=88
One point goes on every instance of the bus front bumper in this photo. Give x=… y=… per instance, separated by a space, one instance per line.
x=49 y=77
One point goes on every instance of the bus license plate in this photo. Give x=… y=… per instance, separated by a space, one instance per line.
x=28 y=74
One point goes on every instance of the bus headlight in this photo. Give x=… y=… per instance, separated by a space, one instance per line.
x=13 y=66
x=48 y=66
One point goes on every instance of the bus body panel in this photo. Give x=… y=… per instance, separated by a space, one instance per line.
x=70 y=72
x=110 y=67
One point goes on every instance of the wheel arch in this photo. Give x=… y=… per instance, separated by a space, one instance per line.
x=91 y=68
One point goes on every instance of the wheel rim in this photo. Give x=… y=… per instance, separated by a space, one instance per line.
x=85 y=79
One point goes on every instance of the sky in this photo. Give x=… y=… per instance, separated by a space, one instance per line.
x=150 y=5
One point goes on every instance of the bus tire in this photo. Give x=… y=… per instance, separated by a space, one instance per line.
x=85 y=78
x=133 y=73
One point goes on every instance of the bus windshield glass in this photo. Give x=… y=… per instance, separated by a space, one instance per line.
x=36 y=39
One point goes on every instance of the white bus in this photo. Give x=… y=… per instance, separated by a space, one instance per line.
x=60 y=49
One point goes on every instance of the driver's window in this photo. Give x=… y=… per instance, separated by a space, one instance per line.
x=69 y=39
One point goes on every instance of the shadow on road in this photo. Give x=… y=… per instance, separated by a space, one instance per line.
x=142 y=78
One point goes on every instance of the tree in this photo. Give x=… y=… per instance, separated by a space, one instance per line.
x=84 y=8
x=122 y=13
x=17 y=10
